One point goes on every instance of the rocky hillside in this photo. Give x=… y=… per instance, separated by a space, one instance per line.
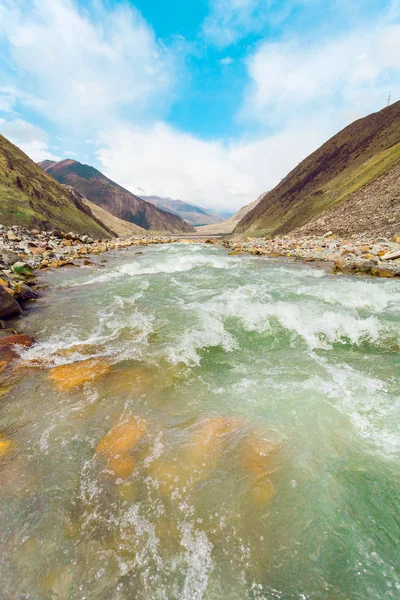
x=192 y=214
x=349 y=185
x=228 y=225
x=31 y=198
x=110 y=196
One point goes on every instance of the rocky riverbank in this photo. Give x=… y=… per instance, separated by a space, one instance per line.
x=358 y=255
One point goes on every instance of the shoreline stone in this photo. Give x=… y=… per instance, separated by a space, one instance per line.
x=359 y=256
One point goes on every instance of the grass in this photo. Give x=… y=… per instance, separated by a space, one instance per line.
x=31 y=198
x=22 y=270
x=351 y=160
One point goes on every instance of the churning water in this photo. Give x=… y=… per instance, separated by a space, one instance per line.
x=239 y=440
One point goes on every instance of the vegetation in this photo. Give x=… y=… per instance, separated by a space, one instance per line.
x=31 y=198
x=353 y=159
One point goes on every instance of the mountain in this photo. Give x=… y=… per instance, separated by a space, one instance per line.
x=31 y=198
x=349 y=185
x=118 y=226
x=192 y=214
x=228 y=225
x=110 y=196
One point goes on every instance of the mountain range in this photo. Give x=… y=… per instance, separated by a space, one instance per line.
x=229 y=224
x=31 y=198
x=351 y=184
x=112 y=197
x=196 y=216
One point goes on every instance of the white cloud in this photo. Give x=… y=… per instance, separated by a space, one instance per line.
x=84 y=68
x=227 y=61
x=231 y=20
x=304 y=93
x=346 y=78
x=167 y=162
x=32 y=140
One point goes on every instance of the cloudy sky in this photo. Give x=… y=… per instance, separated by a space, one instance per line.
x=210 y=101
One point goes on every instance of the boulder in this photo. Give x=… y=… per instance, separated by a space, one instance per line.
x=71 y=376
x=9 y=307
x=8 y=258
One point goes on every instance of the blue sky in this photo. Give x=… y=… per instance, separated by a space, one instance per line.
x=211 y=101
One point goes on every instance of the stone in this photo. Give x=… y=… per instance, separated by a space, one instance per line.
x=9 y=307
x=24 y=293
x=5 y=446
x=381 y=272
x=37 y=251
x=8 y=258
x=260 y=456
x=19 y=339
x=71 y=376
x=122 y=438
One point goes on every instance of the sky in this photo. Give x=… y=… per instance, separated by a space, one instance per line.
x=209 y=101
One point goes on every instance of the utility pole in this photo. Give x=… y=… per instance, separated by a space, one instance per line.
x=389 y=100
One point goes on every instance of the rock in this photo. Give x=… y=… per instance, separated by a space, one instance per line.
x=381 y=272
x=37 y=251
x=366 y=267
x=8 y=258
x=327 y=234
x=9 y=307
x=122 y=438
x=19 y=339
x=5 y=445
x=117 y=444
x=71 y=376
x=8 y=344
x=24 y=293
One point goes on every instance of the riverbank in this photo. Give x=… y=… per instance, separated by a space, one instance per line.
x=359 y=256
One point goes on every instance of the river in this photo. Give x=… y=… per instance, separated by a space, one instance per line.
x=239 y=440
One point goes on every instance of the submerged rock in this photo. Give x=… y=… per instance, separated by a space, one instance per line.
x=71 y=376
x=117 y=444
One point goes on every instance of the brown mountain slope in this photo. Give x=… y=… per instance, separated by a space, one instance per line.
x=31 y=198
x=228 y=225
x=348 y=163
x=110 y=196
x=118 y=226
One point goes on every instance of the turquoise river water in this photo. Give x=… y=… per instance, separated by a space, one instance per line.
x=233 y=433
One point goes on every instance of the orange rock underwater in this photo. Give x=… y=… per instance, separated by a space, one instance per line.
x=68 y=377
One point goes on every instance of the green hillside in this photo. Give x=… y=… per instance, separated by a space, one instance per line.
x=31 y=198
x=352 y=160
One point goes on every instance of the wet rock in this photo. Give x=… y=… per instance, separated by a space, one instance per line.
x=122 y=438
x=8 y=346
x=9 y=307
x=24 y=293
x=74 y=375
x=382 y=272
x=6 y=446
x=116 y=445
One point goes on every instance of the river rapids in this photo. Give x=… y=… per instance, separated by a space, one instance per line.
x=197 y=426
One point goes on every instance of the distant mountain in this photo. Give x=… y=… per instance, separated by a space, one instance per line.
x=192 y=214
x=31 y=198
x=110 y=196
x=228 y=225
x=351 y=184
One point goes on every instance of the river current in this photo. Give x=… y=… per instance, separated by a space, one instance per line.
x=239 y=440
